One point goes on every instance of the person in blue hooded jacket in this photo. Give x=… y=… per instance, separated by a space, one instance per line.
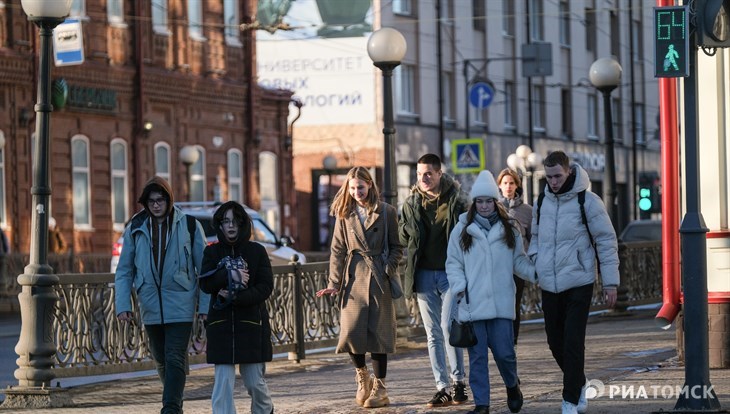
x=160 y=261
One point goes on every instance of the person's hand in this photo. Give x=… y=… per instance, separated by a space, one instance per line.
x=203 y=317
x=327 y=291
x=125 y=316
x=610 y=294
x=223 y=293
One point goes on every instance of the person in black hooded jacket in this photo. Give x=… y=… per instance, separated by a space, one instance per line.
x=237 y=273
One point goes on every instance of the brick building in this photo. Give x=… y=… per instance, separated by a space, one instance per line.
x=158 y=75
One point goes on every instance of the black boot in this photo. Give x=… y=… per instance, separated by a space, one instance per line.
x=480 y=409
x=514 y=398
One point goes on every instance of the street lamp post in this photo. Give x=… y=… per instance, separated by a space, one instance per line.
x=386 y=48
x=189 y=156
x=36 y=348
x=605 y=75
x=525 y=161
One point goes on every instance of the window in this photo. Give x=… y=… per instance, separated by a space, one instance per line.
x=447 y=83
x=590 y=25
x=195 y=19
x=564 y=23
x=78 y=8
x=235 y=175
x=404 y=77
x=81 y=185
x=592 y=126
x=510 y=102
x=115 y=11
x=3 y=212
x=197 y=177
x=480 y=15
x=403 y=7
x=159 y=16
x=636 y=41
x=120 y=186
x=268 y=179
x=538 y=108
x=537 y=16
x=615 y=34
x=508 y=17
x=639 y=123
x=162 y=161
x=566 y=111
x=230 y=14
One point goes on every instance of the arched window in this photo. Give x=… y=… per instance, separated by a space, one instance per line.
x=268 y=179
x=197 y=176
x=81 y=183
x=162 y=161
x=120 y=183
x=235 y=175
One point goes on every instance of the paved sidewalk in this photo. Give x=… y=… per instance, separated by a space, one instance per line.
x=624 y=353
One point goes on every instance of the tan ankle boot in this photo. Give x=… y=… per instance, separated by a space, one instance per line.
x=378 y=395
x=364 y=385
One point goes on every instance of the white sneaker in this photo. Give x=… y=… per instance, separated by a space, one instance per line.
x=569 y=408
x=582 y=406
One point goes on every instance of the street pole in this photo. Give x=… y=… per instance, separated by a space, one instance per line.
x=389 y=191
x=36 y=348
x=386 y=48
x=609 y=172
x=693 y=233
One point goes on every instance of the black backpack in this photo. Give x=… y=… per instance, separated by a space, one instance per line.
x=584 y=219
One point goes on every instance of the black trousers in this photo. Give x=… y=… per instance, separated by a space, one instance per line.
x=566 y=317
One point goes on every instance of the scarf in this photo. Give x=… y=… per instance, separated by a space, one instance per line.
x=486 y=223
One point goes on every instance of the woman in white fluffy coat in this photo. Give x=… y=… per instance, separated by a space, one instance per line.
x=485 y=250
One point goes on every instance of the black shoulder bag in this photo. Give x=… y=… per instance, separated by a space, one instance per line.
x=461 y=334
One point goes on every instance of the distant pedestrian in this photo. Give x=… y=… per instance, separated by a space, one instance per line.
x=565 y=260
x=361 y=264
x=56 y=241
x=237 y=273
x=510 y=187
x=428 y=217
x=162 y=254
x=485 y=251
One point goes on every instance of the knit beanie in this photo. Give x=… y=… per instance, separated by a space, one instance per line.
x=484 y=186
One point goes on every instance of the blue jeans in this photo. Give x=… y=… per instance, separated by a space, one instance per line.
x=497 y=335
x=254 y=382
x=436 y=304
x=169 y=348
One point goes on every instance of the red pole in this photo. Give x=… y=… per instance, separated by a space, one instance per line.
x=668 y=115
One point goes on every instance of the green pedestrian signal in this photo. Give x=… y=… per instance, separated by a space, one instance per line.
x=671 y=42
x=644 y=199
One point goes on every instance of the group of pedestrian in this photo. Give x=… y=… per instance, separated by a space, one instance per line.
x=467 y=257
x=481 y=246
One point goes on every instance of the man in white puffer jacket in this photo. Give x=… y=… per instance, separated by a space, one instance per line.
x=565 y=262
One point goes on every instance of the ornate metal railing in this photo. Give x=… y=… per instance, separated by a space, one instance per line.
x=91 y=341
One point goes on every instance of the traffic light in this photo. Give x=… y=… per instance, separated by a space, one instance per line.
x=649 y=193
x=671 y=41
x=713 y=23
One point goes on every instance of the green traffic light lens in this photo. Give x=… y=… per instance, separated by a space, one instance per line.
x=645 y=204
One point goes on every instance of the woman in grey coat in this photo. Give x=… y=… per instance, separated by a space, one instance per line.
x=510 y=187
x=360 y=264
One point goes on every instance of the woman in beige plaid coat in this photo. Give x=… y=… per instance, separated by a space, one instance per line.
x=361 y=263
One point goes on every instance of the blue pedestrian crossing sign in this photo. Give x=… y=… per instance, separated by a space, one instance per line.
x=467 y=155
x=481 y=95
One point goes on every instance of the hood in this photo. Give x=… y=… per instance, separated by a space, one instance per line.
x=160 y=185
x=239 y=213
